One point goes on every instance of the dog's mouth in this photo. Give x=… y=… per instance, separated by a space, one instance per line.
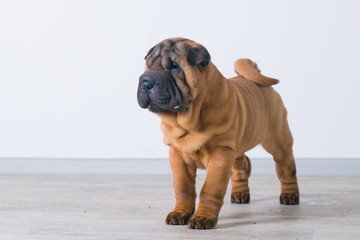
x=158 y=92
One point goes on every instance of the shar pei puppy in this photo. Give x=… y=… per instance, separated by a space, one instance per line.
x=209 y=122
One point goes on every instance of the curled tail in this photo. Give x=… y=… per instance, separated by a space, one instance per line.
x=249 y=70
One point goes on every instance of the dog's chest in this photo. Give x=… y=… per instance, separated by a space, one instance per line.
x=197 y=158
x=184 y=140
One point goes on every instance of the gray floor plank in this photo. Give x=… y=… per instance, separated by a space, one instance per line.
x=134 y=207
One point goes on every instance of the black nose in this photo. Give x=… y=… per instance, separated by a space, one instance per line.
x=146 y=85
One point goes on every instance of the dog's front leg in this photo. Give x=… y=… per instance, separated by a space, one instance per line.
x=214 y=189
x=184 y=186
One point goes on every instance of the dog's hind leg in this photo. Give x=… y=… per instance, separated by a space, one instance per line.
x=240 y=173
x=279 y=142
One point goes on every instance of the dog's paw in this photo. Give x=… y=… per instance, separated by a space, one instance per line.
x=202 y=222
x=177 y=218
x=289 y=198
x=240 y=197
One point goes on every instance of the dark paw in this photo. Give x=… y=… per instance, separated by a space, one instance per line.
x=177 y=218
x=289 y=198
x=200 y=222
x=241 y=197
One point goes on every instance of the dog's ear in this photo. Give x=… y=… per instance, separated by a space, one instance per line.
x=152 y=55
x=198 y=55
x=150 y=51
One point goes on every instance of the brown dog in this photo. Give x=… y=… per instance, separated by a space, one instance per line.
x=210 y=122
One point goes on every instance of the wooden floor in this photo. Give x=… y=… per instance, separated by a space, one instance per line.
x=134 y=207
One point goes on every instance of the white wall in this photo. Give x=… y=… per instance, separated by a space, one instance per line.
x=69 y=70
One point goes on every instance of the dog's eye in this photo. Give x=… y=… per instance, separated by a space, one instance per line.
x=173 y=65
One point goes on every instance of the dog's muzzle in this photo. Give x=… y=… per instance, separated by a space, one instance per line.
x=157 y=91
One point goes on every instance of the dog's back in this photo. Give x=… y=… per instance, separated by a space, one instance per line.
x=260 y=105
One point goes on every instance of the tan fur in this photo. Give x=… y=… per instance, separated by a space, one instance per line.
x=227 y=117
x=249 y=70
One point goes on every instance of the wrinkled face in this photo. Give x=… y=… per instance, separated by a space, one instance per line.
x=165 y=86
